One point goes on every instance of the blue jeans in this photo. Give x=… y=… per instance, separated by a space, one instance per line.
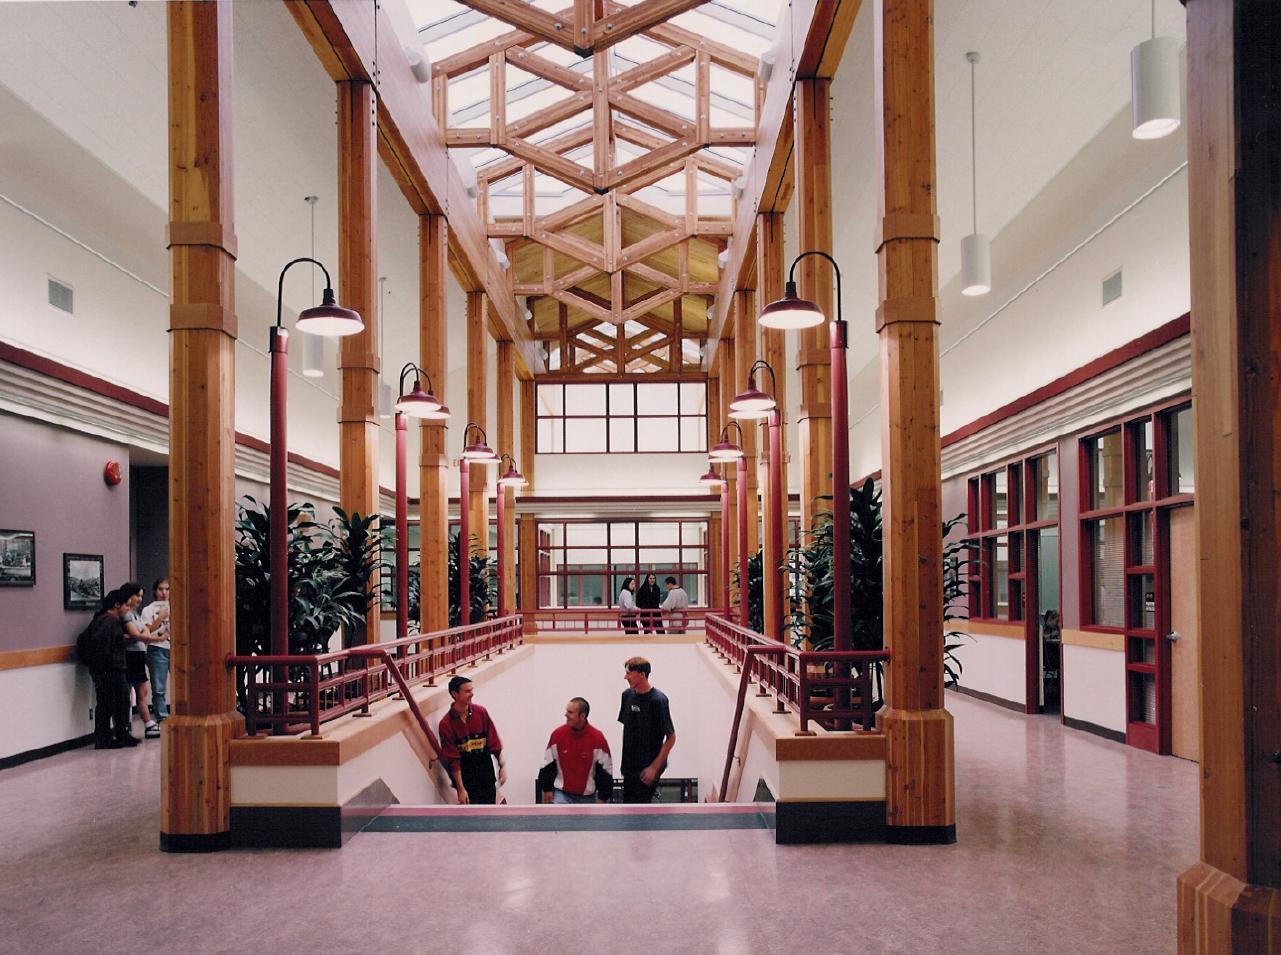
x=562 y=798
x=158 y=669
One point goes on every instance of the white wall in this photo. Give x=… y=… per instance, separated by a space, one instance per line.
x=44 y=705
x=1094 y=686
x=995 y=665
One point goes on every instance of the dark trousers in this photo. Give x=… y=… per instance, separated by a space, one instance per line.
x=635 y=791
x=482 y=788
x=111 y=705
x=652 y=620
x=629 y=623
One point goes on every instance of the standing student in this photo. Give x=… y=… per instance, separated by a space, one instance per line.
x=648 y=734
x=577 y=767
x=627 y=604
x=111 y=722
x=674 y=605
x=469 y=746
x=136 y=655
x=648 y=599
x=155 y=616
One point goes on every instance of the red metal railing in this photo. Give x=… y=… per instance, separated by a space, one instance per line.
x=293 y=692
x=830 y=687
x=610 y=620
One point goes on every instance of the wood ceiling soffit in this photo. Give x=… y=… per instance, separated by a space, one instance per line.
x=349 y=42
x=823 y=27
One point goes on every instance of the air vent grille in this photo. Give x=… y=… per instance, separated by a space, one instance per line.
x=61 y=296
x=1112 y=287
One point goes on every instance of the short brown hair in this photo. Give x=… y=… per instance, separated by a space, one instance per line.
x=638 y=665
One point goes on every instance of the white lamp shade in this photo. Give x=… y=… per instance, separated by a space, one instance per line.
x=1154 y=87
x=313 y=356
x=384 y=400
x=976 y=264
x=419 y=65
x=791 y=314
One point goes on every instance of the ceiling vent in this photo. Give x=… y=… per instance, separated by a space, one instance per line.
x=60 y=295
x=1112 y=287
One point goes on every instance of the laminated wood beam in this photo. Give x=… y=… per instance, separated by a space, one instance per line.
x=566 y=170
x=654 y=69
x=639 y=17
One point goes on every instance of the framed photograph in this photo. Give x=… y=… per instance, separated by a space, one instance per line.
x=81 y=581
x=17 y=558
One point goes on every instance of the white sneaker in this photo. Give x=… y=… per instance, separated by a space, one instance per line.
x=151 y=731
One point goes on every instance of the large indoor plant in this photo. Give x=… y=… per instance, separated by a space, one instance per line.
x=482 y=583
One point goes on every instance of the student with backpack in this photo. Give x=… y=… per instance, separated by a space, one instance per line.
x=101 y=647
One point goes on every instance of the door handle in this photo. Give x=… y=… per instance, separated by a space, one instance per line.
x=1173 y=636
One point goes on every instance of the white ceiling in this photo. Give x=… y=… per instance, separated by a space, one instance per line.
x=1053 y=75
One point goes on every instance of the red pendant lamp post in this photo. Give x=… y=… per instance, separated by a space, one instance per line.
x=332 y=321
x=510 y=478
x=724 y=452
x=478 y=451
x=754 y=404
x=415 y=403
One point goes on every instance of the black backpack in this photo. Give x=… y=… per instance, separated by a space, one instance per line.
x=93 y=645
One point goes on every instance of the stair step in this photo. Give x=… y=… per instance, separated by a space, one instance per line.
x=604 y=818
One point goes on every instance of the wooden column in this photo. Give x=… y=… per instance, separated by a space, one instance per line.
x=813 y=156
x=769 y=288
x=478 y=411
x=195 y=766
x=507 y=445
x=744 y=356
x=358 y=363
x=920 y=778
x=433 y=465
x=528 y=522
x=1230 y=901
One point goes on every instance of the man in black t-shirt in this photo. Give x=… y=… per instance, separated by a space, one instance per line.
x=648 y=735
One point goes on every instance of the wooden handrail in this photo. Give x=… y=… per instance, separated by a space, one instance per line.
x=371 y=650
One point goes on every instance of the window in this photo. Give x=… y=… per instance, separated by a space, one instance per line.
x=622 y=418
x=583 y=563
x=1008 y=509
x=1134 y=473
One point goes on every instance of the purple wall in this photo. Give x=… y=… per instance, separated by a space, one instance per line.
x=51 y=483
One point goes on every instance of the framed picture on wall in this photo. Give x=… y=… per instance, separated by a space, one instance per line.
x=17 y=558
x=81 y=581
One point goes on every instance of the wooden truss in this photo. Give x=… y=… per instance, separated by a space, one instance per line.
x=602 y=258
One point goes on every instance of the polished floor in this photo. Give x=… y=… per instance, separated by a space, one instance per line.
x=1067 y=843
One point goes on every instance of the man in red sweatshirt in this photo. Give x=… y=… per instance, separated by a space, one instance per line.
x=577 y=767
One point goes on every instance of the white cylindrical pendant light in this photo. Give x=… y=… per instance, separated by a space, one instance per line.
x=313 y=356
x=976 y=264
x=384 y=400
x=976 y=248
x=1154 y=79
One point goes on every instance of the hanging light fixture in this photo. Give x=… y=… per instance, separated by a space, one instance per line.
x=711 y=478
x=725 y=449
x=479 y=450
x=313 y=346
x=511 y=477
x=976 y=248
x=752 y=403
x=1154 y=85
x=416 y=402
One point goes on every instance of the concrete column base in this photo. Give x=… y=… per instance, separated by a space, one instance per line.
x=1219 y=914
x=195 y=779
x=920 y=776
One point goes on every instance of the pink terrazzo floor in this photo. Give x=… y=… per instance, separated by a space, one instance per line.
x=1066 y=843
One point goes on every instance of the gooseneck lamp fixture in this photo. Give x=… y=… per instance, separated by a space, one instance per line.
x=511 y=478
x=839 y=342
x=976 y=248
x=724 y=452
x=754 y=404
x=417 y=403
x=1154 y=85
x=478 y=452
x=331 y=320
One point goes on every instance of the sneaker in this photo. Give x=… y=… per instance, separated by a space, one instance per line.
x=126 y=740
x=151 y=731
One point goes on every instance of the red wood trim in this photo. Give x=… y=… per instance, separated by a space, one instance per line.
x=1104 y=363
x=99 y=386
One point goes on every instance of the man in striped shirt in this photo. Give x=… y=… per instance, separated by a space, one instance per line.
x=577 y=767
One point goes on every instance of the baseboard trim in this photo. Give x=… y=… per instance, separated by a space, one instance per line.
x=803 y=823
x=1086 y=726
x=8 y=762
x=990 y=698
x=195 y=841
x=921 y=835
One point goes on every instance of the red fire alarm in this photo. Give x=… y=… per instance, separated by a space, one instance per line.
x=111 y=473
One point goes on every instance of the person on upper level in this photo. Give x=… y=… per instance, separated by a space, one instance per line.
x=674 y=605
